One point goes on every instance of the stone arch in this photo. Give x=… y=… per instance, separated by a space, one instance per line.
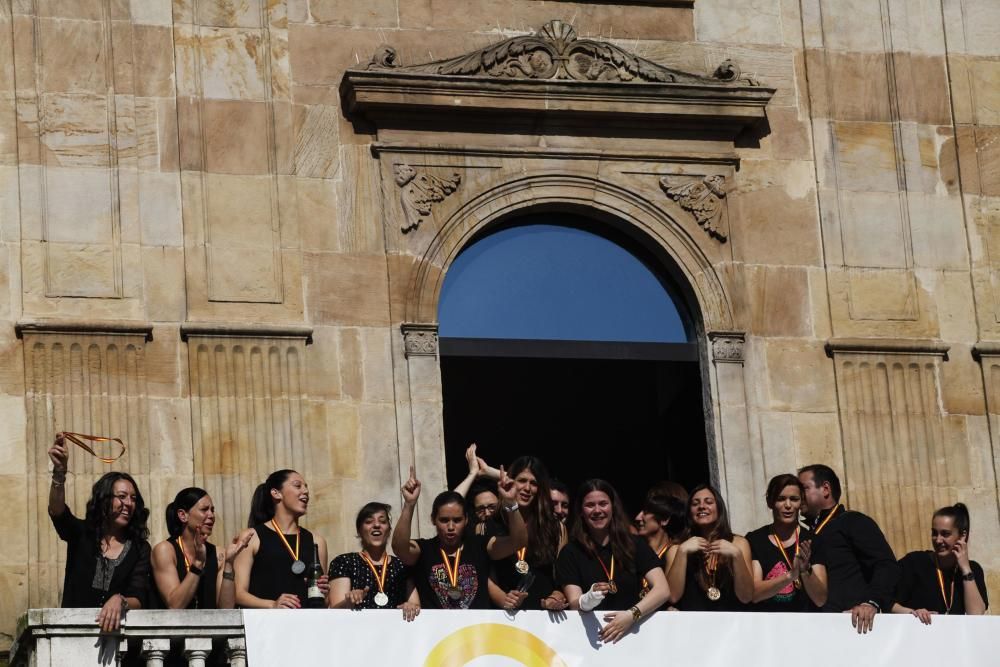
x=649 y=223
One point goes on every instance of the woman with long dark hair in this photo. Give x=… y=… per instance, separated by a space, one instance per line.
x=372 y=578
x=788 y=575
x=271 y=572
x=451 y=569
x=188 y=571
x=943 y=580
x=107 y=555
x=603 y=565
x=709 y=570
x=526 y=579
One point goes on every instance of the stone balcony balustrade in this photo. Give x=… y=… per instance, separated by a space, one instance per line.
x=70 y=638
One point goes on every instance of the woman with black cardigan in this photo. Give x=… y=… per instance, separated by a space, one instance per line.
x=107 y=555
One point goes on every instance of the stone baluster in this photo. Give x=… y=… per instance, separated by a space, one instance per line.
x=236 y=651
x=155 y=651
x=196 y=650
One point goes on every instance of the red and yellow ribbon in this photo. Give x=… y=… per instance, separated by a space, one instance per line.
x=781 y=547
x=78 y=440
x=452 y=573
x=948 y=600
x=829 y=516
x=293 y=553
x=610 y=574
x=379 y=578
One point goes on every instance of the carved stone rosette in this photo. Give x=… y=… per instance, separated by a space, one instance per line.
x=420 y=340
x=727 y=347
x=420 y=191
x=703 y=198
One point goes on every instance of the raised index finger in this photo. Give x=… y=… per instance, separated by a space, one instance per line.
x=413 y=473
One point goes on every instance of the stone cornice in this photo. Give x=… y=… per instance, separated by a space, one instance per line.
x=552 y=73
x=91 y=327
x=986 y=349
x=887 y=346
x=245 y=330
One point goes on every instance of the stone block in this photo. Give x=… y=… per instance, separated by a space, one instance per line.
x=151 y=12
x=351 y=360
x=160 y=209
x=378 y=442
x=872 y=230
x=220 y=63
x=318 y=214
x=74 y=56
x=790 y=138
x=852 y=25
x=776 y=443
x=375 y=14
x=865 y=157
x=882 y=294
x=962 y=383
x=377 y=369
x=788 y=361
x=779 y=301
x=343 y=425
x=817 y=440
x=12 y=438
x=78 y=206
x=163 y=283
x=317 y=149
x=985 y=84
x=737 y=21
x=235 y=137
x=937 y=232
x=324 y=363
x=154 y=60
x=347 y=289
x=360 y=219
x=13 y=597
x=170 y=433
x=75 y=269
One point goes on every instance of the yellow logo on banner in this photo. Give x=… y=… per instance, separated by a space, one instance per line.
x=467 y=644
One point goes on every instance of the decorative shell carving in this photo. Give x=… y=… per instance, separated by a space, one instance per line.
x=702 y=198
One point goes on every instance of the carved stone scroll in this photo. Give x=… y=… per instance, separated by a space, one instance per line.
x=703 y=198
x=420 y=191
x=555 y=52
x=420 y=339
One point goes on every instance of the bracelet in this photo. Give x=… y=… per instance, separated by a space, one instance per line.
x=58 y=484
x=636 y=614
x=229 y=575
x=194 y=569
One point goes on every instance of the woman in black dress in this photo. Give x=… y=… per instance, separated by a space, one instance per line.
x=188 y=571
x=603 y=566
x=107 y=555
x=526 y=580
x=944 y=580
x=451 y=569
x=710 y=570
x=371 y=578
x=271 y=572
x=787 y=574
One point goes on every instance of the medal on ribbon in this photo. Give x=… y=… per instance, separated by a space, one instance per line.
x=948 y=599
x=381 y=599
x=819 y=529
x=454 y=592
x=781 y=547
x=610 y=574
x=521 y=565
x=711 y=565
x=645 y=584
x=78 y=440
x=298 y=567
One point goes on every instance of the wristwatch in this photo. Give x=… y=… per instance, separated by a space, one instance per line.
x=971 y=576
x=512 y=508
x=124 y=604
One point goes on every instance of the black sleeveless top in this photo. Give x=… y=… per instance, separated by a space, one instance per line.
x=271 y=574
x=695 y=598
x=204 y=595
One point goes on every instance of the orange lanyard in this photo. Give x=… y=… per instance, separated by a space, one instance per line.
x=821 y=526
x=180 y=545
x=78 y=440
x=379 y=578
x=610 y=575
x=452 y=574
x=949 y=599
x=781 y=546
x=521 y=553
x=293 y=553
x=659 y=554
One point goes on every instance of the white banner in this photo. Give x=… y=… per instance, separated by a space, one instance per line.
x=306 y=638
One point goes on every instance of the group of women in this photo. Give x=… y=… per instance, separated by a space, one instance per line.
x=517 y=544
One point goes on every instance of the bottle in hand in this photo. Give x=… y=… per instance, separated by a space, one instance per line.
x=315 y=599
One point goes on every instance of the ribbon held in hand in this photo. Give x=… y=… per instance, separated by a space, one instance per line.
x=78 y=440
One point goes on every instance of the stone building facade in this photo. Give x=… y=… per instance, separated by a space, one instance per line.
x=224 y=225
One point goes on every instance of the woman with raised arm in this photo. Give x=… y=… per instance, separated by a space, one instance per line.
x=943 y=580
x=788 y=575
x=710 y=570
x=271 y=572
x=188 y=571
x=603 y=566
x=107 y=555
x=526 y=580
x=451 y=569
x=371 y=578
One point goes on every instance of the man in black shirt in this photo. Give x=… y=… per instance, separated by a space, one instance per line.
x=860 y=565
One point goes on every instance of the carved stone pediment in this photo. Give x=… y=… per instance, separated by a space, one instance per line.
x=552 y=74
x=555 y=52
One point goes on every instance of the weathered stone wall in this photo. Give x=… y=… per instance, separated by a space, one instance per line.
x=185 y=169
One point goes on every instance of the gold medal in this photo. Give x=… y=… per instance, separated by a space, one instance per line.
x=521 y=565
x=610 y=574
x=713 y=593
x=455 y=593
x=612 y=586
x=711 y=565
